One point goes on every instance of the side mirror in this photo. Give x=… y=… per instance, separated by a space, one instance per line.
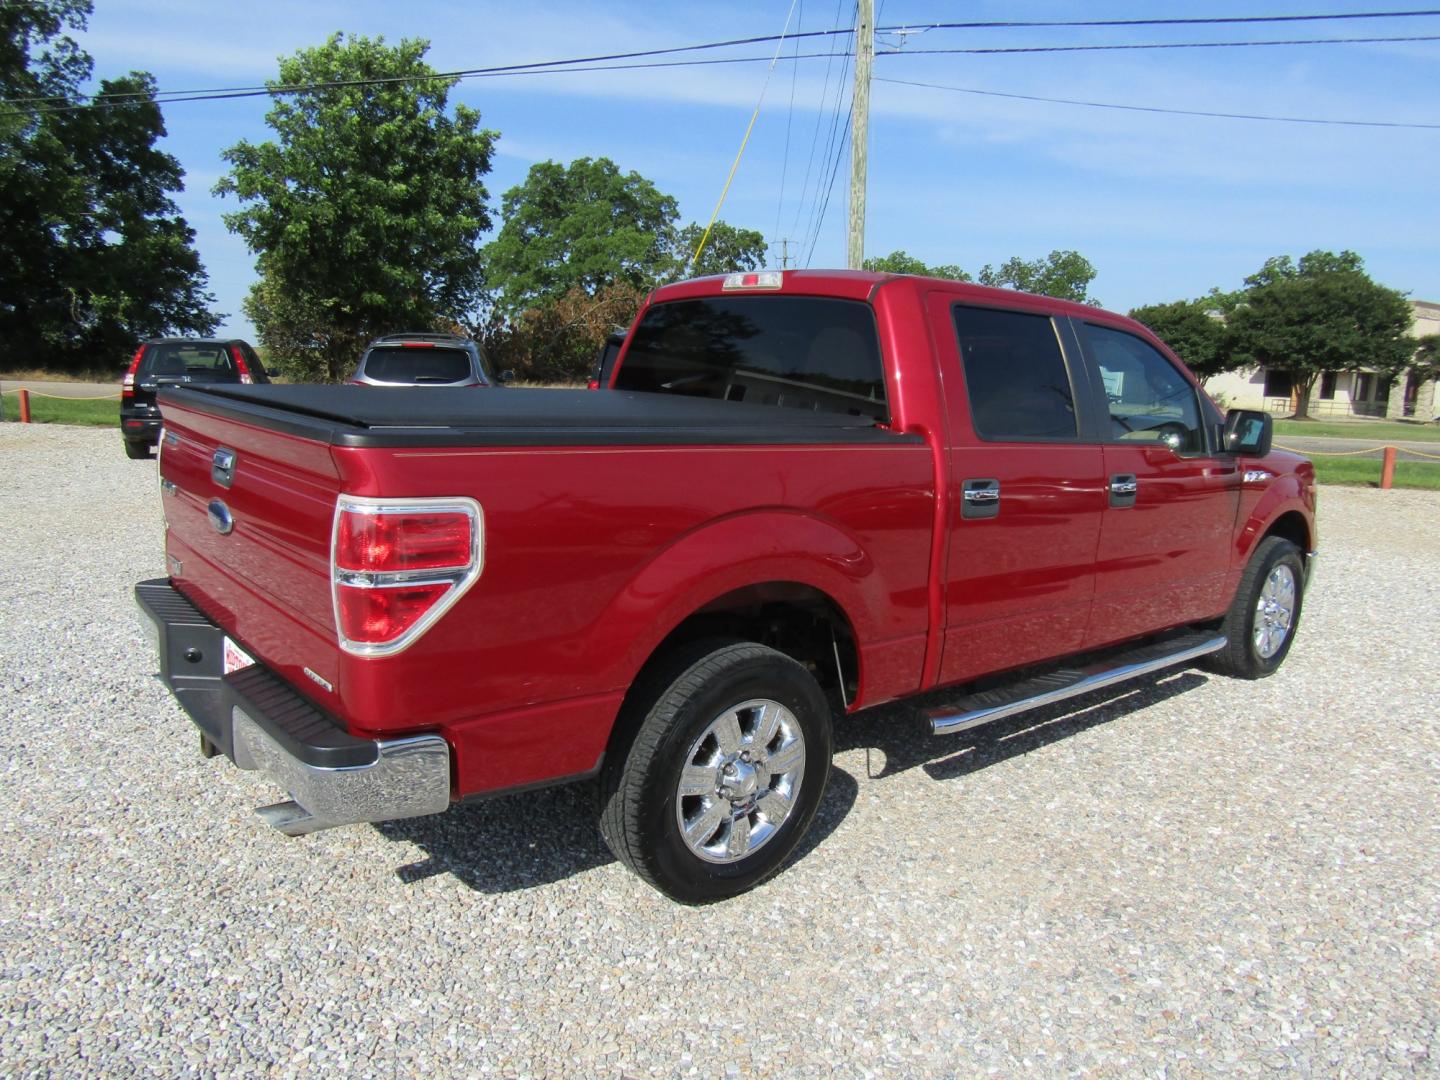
x=1248 y=432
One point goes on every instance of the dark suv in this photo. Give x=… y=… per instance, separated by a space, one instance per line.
x=178 y=362
x=422 y=360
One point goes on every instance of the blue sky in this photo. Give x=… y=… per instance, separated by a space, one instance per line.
x=1165 y=206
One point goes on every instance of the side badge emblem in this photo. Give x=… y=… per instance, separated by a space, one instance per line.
x=220 y=517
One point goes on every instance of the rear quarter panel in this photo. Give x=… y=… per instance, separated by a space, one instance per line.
x=593 y=555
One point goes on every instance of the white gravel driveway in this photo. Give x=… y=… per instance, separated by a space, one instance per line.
x=1195 y=876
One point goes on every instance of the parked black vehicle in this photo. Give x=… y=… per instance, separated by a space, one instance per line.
x=423 y=360
x=605 y=359
x=178 y=362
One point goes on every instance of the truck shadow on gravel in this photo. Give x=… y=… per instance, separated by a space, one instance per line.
x=535 y=838
x=905 y=742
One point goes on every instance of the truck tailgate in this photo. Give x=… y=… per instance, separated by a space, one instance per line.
x=249 y=514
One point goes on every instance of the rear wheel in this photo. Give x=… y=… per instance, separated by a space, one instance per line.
x=136 y=450
x=1260 y=625
x=724 y=773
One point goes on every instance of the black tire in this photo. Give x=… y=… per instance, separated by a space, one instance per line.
x=1241 y=657
x=136 y=450
x=672 y=713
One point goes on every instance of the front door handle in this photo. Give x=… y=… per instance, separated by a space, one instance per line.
x=981 y=499
x=1123 y=489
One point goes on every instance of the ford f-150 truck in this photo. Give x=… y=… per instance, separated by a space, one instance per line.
x=803 y=494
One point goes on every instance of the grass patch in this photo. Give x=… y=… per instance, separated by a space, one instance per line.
x=1365 y=472
x=91 y=375
x=1385 y=431
x=91 y=412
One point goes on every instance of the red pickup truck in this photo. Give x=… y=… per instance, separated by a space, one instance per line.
x=804 y=494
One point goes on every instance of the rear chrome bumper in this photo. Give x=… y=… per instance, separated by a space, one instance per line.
x=260 y=722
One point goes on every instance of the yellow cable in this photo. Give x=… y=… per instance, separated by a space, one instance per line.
x=64 y=397
x=735 y=165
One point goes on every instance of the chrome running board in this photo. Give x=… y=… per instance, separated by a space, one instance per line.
x=976 y=709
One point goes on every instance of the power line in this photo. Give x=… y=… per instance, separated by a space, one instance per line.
x=1158 y=109
x=836 y=141
x=1155 y=45
x=255 y=91
x=819 y=123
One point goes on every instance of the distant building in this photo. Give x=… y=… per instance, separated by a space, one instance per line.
x=1339 y=393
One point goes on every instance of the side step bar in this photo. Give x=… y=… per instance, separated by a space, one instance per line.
x=976 y=709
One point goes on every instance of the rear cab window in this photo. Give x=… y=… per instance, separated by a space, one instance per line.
x=819 y=354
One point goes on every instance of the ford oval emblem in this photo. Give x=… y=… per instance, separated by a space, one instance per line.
x=220 y=517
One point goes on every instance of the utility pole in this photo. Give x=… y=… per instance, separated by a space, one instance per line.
x=860 y=131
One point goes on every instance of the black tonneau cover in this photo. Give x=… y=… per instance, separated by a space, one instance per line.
x=476 y=416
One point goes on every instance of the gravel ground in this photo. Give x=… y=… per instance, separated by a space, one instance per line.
x=1195 y=876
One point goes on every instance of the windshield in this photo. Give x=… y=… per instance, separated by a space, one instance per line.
x=800 y=352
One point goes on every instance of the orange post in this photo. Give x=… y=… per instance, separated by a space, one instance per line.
x=24 y=405
x=1387 y=468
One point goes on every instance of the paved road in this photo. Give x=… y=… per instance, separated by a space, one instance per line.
x=1416 y=450
x=63 y=389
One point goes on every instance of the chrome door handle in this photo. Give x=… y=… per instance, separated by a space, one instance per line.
x=1124 y=487
x=983 y=495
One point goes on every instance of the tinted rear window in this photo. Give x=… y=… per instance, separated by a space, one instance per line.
x=213 y=360
x=796 y=352
x=418 y=365
x=1015 y=375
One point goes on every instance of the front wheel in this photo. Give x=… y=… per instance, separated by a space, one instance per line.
x=1260 y=625
x=724 y=773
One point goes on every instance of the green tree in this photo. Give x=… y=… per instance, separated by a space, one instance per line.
x=368 y=204
x=1194 y=329
x=93 y=251
x=1323 y=313
x=727 y=250
x=898 y=262
x=1425 y=365
x=1065 y=275
x=587 y=225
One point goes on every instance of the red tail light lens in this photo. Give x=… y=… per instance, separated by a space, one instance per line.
x=240 y=365
x=381 y=542
x=398 y=565
x=127 y=387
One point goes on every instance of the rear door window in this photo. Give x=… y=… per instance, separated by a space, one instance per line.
x=1015 y=376
x=797 y=352
x=418 y=365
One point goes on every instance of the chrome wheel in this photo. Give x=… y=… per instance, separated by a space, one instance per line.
x=1274 y=611
x=740 y=781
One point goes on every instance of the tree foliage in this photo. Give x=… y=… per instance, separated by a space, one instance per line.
x=1065 y=275
x=727 y=250
x=366 y=209
x=586 y=225
x=559 y=341
x=898 y=262
x=1194 y=329
x=1426 y=363
x=1323 y=313
x=93 y=251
